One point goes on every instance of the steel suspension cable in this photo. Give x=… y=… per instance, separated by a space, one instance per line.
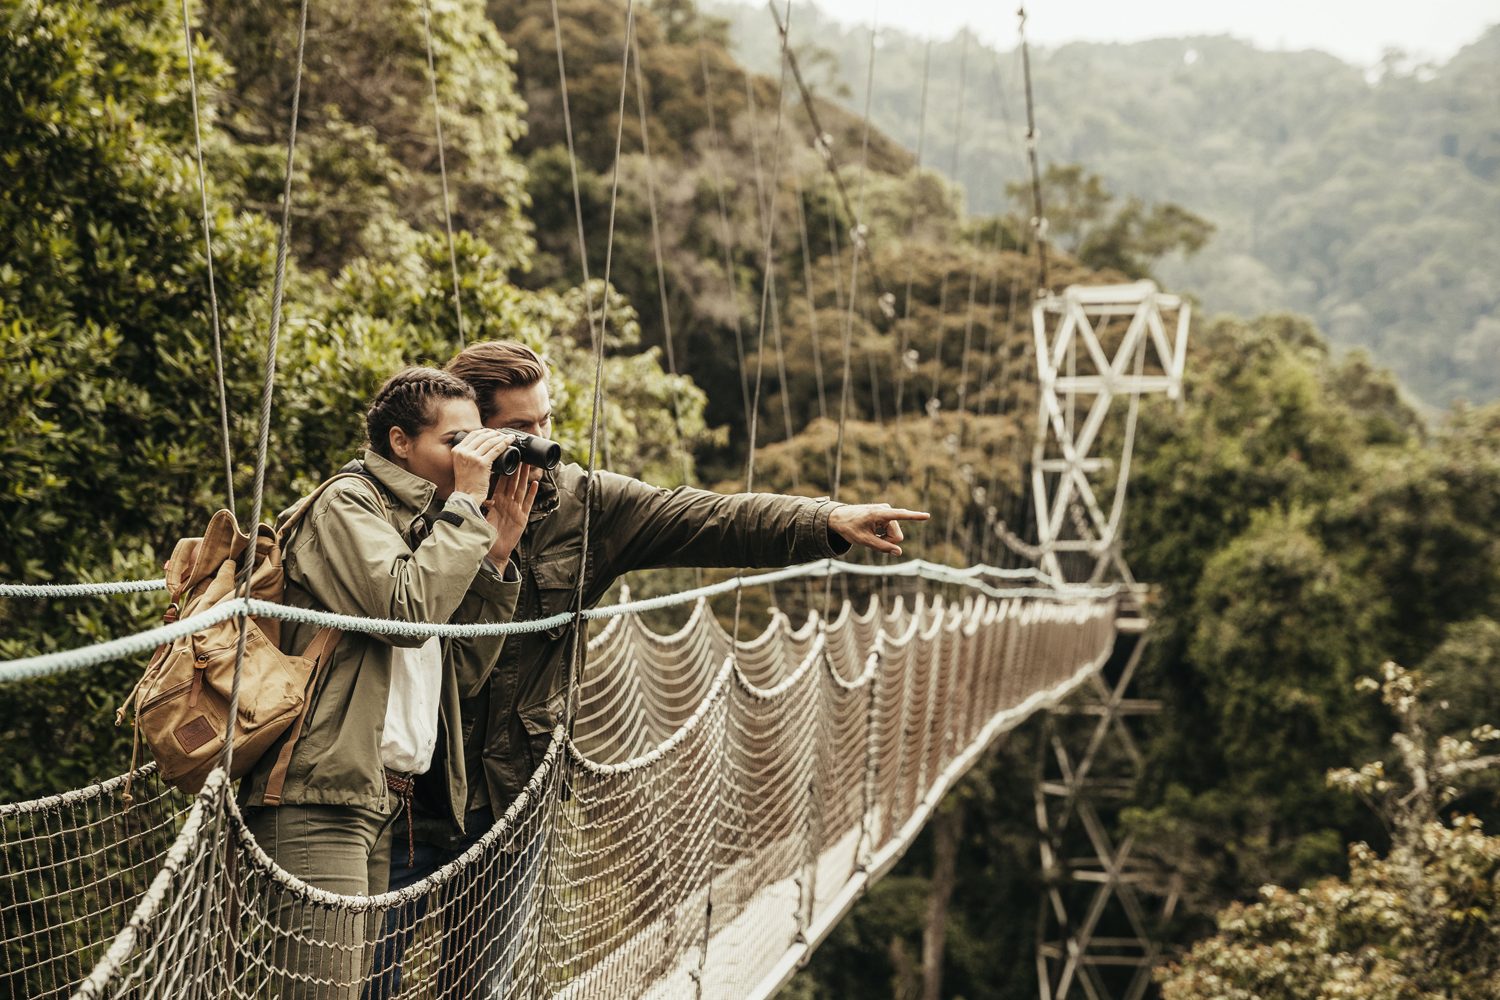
x=812 y=306
x=977 y=550
x=725 y=235
x=1039 y=216
x=859 y=247
x=858 y=254
x=437 y=118
x=597 y=329
x=1019 y=511
x=267 y=389
x=935 y=401
x=752 y=404
x=966 y=471
x=823 y=141
x=911 y=229
x=767 y=291
x=208 y=255
x=765 y=208
x=1038 y=231
x=661 y=267
x=764 y=212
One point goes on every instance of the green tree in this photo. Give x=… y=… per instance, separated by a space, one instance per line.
x=109 y=422
x=1424 y=921
x=1362 y=200
x=1084 y=221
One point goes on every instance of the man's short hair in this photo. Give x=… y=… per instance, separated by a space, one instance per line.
x=496 y=364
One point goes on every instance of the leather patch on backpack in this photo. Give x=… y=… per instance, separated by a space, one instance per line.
x=194 y=734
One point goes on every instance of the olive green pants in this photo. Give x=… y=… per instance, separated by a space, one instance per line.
x=318 y=952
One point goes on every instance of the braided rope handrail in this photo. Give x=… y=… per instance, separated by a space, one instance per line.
x=41 y=590
x=110 y=587
x=943 y=628
x=45 y=664
x=74 y=796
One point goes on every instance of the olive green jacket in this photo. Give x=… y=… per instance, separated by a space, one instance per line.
x=509 y=715
x=352 y=555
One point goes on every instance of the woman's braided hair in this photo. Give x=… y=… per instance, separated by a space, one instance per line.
x=405 y=401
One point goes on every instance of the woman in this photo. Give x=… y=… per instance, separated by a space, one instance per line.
x=408 y=539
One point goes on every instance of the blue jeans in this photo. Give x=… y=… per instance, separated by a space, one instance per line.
x=482 y=922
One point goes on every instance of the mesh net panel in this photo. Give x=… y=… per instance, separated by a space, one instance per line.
x=73 y=868
x=719 y=804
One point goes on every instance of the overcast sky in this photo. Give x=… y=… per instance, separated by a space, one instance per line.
x=1357 y=31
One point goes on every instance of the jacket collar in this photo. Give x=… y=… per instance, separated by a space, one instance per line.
x=410 y=490
x=546 y=497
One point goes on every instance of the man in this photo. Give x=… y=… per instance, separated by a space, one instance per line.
x=509 y=716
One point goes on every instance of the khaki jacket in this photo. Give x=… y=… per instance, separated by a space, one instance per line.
x=509 y=715
x=351 y=555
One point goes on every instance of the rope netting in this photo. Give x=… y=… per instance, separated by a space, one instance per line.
x=718 y=807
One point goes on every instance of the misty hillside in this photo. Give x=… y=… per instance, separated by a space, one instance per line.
x=1368 y=201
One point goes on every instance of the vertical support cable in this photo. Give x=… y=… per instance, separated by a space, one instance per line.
x=437 y=118
x=1039 y=217
x=597 y=330
x=267 y=386
x=208 y=255
x=661 y=267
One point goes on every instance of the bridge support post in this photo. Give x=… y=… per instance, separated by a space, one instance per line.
x=1103 y=906
x=1096 y=345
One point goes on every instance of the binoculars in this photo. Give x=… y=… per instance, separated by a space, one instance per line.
x=525 y=449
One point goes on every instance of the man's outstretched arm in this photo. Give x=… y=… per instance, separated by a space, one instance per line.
x=641 y=526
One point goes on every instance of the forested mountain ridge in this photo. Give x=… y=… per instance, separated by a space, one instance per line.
x=1367 y=201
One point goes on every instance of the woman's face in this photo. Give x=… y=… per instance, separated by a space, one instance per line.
x=429 y=453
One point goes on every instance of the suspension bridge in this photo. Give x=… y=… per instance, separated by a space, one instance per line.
x=718 y=804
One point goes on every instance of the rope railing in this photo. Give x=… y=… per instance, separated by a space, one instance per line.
x=780 y=774
x=101 y=589
x=61 y=661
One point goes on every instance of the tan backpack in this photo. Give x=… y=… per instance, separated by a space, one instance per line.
x=181 y=702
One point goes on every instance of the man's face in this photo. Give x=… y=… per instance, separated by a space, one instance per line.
x=527 y=409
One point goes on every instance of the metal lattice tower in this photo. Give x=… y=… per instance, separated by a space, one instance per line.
x=1087 y=359
x=1103 y=906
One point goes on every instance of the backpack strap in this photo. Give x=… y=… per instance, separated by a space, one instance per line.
x=320 y=651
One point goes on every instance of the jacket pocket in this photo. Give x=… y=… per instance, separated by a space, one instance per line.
x=540 y=722
x=332 y=704
x=557 y=586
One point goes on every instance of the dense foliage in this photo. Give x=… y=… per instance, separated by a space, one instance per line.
x=1422 y=922
x=1363 y=199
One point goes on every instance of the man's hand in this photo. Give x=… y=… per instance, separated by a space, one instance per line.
x=507 y=510
x=873 y=525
